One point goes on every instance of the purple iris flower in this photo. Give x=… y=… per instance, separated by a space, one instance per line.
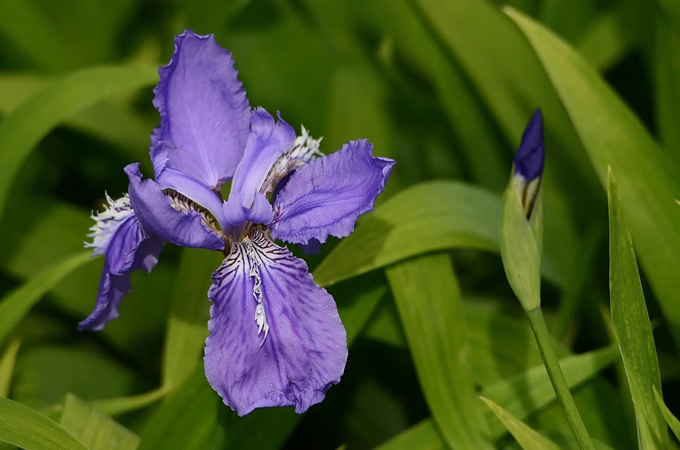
x=276 y=338
x=529 y=161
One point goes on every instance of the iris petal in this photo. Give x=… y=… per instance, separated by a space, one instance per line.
x=327 y=195
x=130 y=247
x=304 y=350
x=154 y=211
x=267 y=142
x=205 y=114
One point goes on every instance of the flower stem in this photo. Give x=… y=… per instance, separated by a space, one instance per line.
x=557 y=379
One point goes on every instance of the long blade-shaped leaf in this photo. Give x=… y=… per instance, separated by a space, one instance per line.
x=7 y=361
x=27 y=125
x=428 y=299
x=631 y=323
x=27 y=428
x=94 y=429
x=121 y=405
x=532 y=390
x=193 y=404
x=187 y=326
x=16 y=305
x=612 y=135
x=454 y=215
x=524 y=434
x=671 y=420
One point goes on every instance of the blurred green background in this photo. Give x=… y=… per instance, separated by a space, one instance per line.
x=444 y=87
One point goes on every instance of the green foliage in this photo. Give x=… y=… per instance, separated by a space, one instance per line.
x=445 y=87
x=94 y=429
x=27 y=428
x=526 y=437
x=428 y=299
x=632 y=327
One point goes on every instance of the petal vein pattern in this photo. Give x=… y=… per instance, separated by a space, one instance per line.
x=205 y=114
x=305 y=350
x=327 y=195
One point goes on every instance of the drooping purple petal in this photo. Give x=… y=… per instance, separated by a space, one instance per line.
x=205 y=115
x=267 y=141
x=128 y=247
x=326 y=196
x=185 y=227
x=289 y=353
x=531 y=154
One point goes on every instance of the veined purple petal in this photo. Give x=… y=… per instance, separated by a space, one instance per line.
x=128 y=247
x=235 y=214
x=268 y=140
x=192 y=189
x=531 y=154
x=327 y=195
x=185 y=227
x=205 y=115
x=286 y=353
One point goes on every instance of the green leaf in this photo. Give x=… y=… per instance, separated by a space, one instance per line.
x=612 y=135
x=21 y=130
x=34 y=243
x=524 y=434
x=45 y=374
x=108 y=120
x=7 y=366
x=122 y=405
x=631 y=323
x=453 y=213
x=528 y=392
x=423 y=436
x=95 y=430
x=27 y=428
x=671 y=420
x=428 y=299
x=195 y=406
x=510 y=79
x=16 y=305
x=188 y=322
x=667 y=74
x=523 y=394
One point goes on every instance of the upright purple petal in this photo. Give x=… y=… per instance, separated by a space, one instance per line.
x=326 y=196
x=182 y=226
x=287 y=352
x=127 y=246
x=266 y=143
x=205 y=115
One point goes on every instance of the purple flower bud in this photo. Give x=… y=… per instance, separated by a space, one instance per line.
x=529 y=163
x=531 y=153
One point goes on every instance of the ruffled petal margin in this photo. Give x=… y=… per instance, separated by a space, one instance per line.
x=288 y=353
x=327 y=195
x=130 y=247
x=205 y=114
